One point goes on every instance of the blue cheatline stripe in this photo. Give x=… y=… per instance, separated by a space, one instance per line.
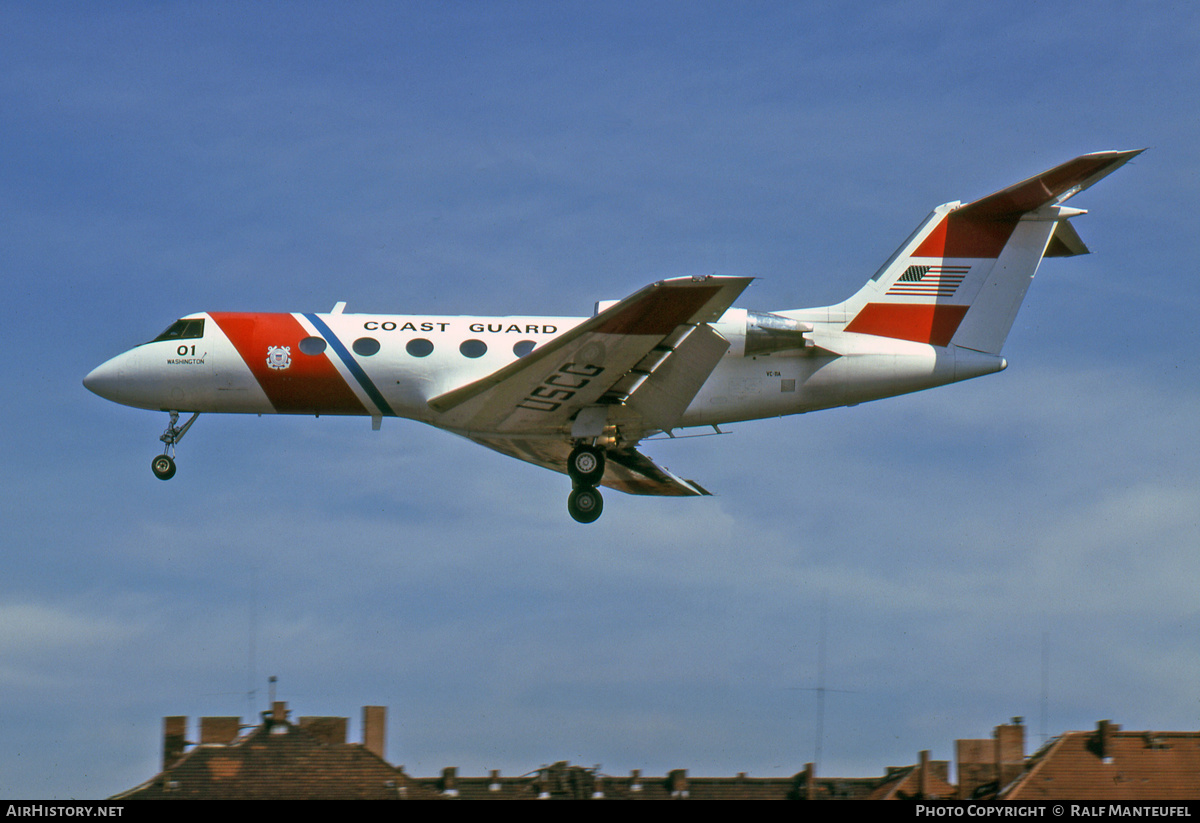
x=352 y=365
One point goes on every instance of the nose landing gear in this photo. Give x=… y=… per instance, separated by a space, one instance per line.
x=586 y=468
x=163 y=465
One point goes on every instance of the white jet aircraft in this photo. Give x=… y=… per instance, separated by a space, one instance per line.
x=577 y=394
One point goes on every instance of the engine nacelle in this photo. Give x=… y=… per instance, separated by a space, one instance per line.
x=767 y=333
x=759 y=333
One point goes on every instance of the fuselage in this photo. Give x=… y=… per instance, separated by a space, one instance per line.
x=392 y=365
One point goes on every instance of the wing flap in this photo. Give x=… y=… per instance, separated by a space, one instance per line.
x=661 y=399
x=628 y=470
x=635 y=473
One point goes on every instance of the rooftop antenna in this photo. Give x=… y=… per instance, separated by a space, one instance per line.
x=1045 y=684
x=251 y=693
x=820 y=689
x=821 y=680
x=251 y=674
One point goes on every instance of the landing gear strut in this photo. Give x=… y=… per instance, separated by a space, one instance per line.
x=586 y=468
x=163 y=465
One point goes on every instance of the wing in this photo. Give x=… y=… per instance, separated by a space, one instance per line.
x=636 y=365
x=627 y=470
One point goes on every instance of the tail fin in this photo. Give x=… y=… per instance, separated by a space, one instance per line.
x=960 y=278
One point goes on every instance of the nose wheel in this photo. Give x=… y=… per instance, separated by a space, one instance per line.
x=585 y=466
x=163 y=465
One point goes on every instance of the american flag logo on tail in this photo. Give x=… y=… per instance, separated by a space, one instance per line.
x=930 y=281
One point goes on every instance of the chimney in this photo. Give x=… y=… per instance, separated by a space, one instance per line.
x=1106 y=731
x=999 y=760
x=973 y=764
x=221 y=730
x=923 y=775
x=810 y=781
x=677 y=779
x=174 y=742
x=276 y=714
x=450 y=781
x=374 y=729
x=1010 y=752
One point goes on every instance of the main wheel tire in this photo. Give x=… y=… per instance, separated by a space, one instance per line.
x=585 y=504
x=163 y=467
x=586 y=465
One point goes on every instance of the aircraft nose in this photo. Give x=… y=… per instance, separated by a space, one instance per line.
x=103 y=380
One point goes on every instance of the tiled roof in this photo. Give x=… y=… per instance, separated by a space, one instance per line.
x=904 y=784
x=1128 y=766
x=274 y=762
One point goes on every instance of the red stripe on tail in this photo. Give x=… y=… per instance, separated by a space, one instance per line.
x=964 y=235
x=920 y=323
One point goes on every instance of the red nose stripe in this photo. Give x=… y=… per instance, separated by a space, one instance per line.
x=294 y=382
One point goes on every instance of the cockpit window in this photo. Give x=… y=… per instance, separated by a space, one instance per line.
x=186 y=329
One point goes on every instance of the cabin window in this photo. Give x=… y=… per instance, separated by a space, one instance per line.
x=365 y=346
x=186 y=329
x=419 y=347
x=473 y=348
x=523 y=348
x=313 y=345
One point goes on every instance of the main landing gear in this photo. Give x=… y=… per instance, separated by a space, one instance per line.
x=586 y=468
x=163 y=465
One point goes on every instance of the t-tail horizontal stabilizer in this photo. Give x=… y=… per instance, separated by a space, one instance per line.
x=961 y=277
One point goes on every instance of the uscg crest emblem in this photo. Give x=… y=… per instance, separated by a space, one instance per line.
x=279 y=357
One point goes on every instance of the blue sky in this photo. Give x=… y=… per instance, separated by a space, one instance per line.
x=532 y=158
